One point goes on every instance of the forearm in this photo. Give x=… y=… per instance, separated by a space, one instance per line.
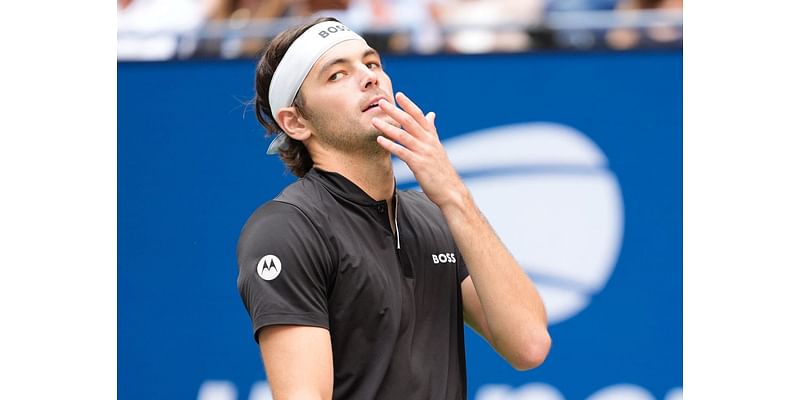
x=512 y=308
x=509 y=304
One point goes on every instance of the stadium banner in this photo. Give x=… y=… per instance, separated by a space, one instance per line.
x=575 y=159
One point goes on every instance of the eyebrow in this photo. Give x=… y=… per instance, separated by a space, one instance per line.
x=336 y=61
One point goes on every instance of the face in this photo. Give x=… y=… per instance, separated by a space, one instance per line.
x=341 y=93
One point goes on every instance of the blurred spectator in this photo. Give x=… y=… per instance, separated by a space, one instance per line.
x=244 y=10
x=241 y=21
x=231 y=19
x=626 y=38
x=322 y=7
x=477 y=26
x=150 y=29
x=165 y=29
x=580 y=5
x=395 y=25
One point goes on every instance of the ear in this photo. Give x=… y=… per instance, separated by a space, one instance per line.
x=293 y=124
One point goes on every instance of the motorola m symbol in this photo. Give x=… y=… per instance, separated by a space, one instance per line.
x=269 y=267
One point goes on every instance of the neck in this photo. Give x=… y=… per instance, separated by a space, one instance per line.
x=373 y=173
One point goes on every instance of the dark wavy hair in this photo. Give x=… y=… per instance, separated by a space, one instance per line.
x=294 y=153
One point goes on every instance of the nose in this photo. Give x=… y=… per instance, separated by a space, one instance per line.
x=370 y=78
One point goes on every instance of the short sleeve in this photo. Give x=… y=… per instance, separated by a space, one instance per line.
x=284 y=268
x=463 y=273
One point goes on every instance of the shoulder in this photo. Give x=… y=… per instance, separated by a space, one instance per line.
x=290 y=208
x=304 y=194
x=285 y=232
x=416 y=204
x=283 y=218
x=271 y=222
x=416 y=198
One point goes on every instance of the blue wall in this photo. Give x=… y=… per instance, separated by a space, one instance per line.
x=191 y=169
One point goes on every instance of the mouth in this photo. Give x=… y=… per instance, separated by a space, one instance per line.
x=372 y=104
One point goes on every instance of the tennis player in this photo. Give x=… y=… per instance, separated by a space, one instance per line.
x=357 y=290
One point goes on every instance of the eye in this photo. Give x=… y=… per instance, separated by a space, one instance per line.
x=373 y=65
x=336 y=76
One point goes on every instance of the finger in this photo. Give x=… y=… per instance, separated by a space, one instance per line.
x=406 y=121
x=396 y=134
x=431 y=117
x=412 y=109
x=396 y=149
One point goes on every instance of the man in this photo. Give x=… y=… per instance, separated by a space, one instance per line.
x=356 y=290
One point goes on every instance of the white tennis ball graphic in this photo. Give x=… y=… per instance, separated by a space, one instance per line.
x=548 y=193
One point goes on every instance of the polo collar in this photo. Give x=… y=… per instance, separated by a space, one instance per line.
x=343 y=187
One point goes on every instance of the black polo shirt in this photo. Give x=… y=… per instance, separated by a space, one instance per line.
x=323 y=254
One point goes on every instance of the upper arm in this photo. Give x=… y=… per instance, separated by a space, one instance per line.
x=284 y=269
x=298 y=361
x=473 y=312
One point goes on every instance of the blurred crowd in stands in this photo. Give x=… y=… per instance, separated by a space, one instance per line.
x=181 y=29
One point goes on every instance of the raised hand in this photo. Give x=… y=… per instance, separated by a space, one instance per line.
x=417 y=143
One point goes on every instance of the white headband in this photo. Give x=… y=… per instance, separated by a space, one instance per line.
x=297 y=62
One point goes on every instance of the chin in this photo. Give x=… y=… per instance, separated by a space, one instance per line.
x=373 y=133
x=370 y=143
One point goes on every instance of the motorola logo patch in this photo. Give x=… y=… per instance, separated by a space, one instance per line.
x=269 y=267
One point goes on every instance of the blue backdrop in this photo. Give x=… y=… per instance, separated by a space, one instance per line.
x=191 y=169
